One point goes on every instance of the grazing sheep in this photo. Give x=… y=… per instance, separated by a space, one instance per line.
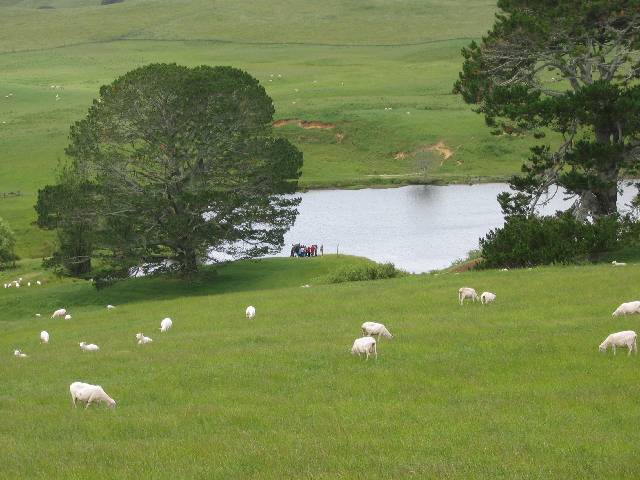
x=89 y=347
x=142 y=339
x=626 y=338
x=88 y=393
x=251 y=311
x=627 y=308
x=110 y=307
x=19 y=354
x=373 y=328
x=467 y=292
x=487 y=297
x=67 y=317
x=366 y=346
x=59 y=313
x=38 y=282
x=28 y=284
x=38 y=315
x=618 y=264
x=44 y=336
x=165 y=324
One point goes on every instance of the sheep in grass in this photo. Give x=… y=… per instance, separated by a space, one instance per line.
x=165 y=324
x=67 y=317
x=467 y=292
x=110 y=307
x=626 y=338
x=487 y=297
x=618 y=264
x=372 y=328
x=38 y=315
x=627 y=308
x=59 y=313
x=19 y=354
x=366 y=346
x=142 y=340
x=44 y=336
x=89 y=347
x=85 y=392
x=250 y=312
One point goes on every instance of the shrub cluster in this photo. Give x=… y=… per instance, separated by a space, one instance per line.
x=7 y=245
x=374 y=271
x=526 y=241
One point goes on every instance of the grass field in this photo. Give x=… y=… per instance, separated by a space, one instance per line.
x=513 y=390
x=338 y=62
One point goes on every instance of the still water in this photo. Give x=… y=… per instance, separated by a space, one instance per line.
x=418 y=228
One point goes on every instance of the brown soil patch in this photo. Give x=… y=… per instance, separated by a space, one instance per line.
x=440 y=148
x=467 y=265
x=306 y=124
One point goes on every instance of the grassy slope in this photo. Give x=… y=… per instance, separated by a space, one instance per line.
x=513 y=390
x=339 y=45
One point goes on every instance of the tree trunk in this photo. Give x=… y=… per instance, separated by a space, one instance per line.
x=607 y=195
x=188 y=259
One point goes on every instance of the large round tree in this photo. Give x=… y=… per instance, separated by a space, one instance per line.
x=182 y=161
x=569 y=67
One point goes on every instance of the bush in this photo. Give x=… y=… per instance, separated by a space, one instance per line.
x=528 y=241
x=7 y=245
x=359 y=273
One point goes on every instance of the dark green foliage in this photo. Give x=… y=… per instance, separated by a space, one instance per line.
x=110 y=2
x=376 y=271
x=174 y=162
x=568 y=67
x=527 y=241
x=7 y=245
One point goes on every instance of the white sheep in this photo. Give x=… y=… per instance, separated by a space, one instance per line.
x=626 y=338
x=487 y=297
x=38 y=315
x=366 y=346
x=67 y=317
x=627 y=308
x=165 y=324
x=467 y=292
x=142 y=339
x=59 y=313
x=38 y=282
x=28 y=284
x=19 y=354
x=88 y=393
x=44 y=336
x=110 y=307
x=373 y=328
x=250 y=312
x=618 y=264
x=89 y=347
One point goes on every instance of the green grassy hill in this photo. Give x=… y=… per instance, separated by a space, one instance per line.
x=340 y=63
x=516 y=389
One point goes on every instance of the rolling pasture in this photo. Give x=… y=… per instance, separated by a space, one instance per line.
x=516 y=389
x=375 y=76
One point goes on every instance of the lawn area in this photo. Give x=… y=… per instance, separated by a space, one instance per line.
x=377 y=74
x=516 y=389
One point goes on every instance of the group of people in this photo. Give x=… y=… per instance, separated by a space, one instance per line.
x=299 y=250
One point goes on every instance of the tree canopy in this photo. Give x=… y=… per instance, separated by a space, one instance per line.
x=569 y=69
x=171 y=163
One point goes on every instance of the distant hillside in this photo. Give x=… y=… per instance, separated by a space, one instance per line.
x=362 y=22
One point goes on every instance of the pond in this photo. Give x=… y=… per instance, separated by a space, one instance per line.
x=418 y=228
